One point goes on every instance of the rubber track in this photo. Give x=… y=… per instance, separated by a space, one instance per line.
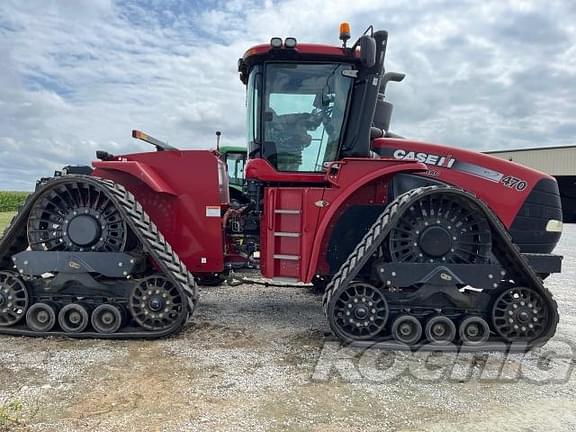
x=504 y=249
x=15 y=240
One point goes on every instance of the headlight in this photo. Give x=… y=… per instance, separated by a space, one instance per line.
x=554 y=225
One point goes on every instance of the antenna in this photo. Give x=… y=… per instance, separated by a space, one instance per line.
x=218 y=134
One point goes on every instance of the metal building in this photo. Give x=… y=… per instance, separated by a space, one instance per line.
x=559 y=162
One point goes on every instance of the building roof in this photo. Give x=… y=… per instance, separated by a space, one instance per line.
x=531 y=149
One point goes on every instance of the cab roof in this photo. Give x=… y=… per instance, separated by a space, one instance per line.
x=314 y=49
x=301 y=52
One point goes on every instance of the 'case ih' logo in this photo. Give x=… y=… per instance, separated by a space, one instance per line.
x=427 y=158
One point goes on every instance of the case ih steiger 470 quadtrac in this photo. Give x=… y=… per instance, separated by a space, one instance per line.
x=412 y=242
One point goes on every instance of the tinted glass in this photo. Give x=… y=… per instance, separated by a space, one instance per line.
x=304 y=109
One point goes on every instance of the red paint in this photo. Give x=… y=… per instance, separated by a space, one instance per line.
x=141 y=171
x=504 y=201
x=317 y=208
x=305 y=48
x=176 y=187
x=260 y=169
x=189 y=182
x=288 y=211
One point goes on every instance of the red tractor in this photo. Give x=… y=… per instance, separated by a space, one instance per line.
x=412 y=243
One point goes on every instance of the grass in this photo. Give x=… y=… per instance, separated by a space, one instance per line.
x=10 y=416
x=5 y=218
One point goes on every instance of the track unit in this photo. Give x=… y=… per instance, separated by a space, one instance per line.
x=424 y=293
x=89 y=262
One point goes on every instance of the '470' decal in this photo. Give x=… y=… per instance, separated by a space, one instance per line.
x=514 y=183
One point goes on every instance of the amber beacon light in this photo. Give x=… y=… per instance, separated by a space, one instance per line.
x=344 y=32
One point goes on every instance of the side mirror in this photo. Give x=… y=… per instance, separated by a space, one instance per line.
x=390 y=76
x=367 y=46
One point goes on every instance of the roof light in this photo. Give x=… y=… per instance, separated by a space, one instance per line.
x=276 y=42
x=344 y=32
x=290 y=42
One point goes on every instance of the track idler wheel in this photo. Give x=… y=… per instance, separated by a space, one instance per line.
x=41 y=317
x=406 y=329
x=520 y=315
x=474 y=331
x=13 y=299
x=156 y=304
x=107 y=319
x=357 y=312
x=440 y=330
x=73 y=318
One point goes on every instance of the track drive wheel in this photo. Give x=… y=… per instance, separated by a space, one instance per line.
x=441 y=228
x=520 y=314
x=358 y=312
x=155 y=303
x=76 y=216
x=13 y=299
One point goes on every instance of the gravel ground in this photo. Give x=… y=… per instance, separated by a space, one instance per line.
x=262 y=359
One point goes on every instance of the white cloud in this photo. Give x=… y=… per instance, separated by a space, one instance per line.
x=76 y=76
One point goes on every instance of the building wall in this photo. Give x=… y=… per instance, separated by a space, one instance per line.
x=557 y=161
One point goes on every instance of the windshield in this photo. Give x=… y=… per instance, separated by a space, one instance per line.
x=303 y=111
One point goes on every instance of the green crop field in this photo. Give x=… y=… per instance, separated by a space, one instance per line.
x=5 y=218
x=9 y=203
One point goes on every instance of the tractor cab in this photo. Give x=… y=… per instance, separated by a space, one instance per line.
x=309 y=105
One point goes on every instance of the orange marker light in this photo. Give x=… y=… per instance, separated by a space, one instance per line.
x=344 y=32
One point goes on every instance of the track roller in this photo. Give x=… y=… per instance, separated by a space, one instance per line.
x=406 y=329
x=73 y=318
x=107 y=319
x=474 y=330
x=440 y=330
x=41 y=317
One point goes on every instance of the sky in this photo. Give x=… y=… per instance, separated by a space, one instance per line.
x=77 y=76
